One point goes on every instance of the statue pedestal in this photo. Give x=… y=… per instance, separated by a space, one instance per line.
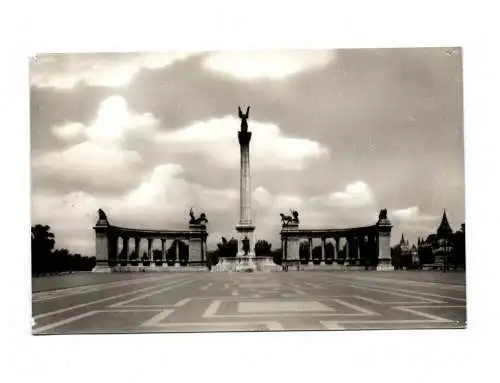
x=290 y=242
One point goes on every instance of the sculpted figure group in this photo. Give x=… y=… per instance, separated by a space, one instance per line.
x=290 y=219
x=202 y=219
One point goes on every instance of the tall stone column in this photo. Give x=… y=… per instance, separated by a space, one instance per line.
x=384 y=227
x=245 y=228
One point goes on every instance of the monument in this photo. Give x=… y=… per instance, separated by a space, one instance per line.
x=245 y=228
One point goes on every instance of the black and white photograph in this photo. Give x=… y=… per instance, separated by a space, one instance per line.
x=247 y=191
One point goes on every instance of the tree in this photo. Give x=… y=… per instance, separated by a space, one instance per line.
x=157 y=258
x=396 y=257
x=316 y=255
x=304 y=252
x=134 y=258
x=123 y=257
x=277 y=256
x=183 y=253
x=42 y=243
x=172 y=253
x=262 y=248
x=227 y=249
x=212 y=258
x=329 y=253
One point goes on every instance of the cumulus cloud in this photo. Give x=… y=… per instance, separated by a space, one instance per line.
x=267 y=65
x=269 y=147
x=280 y=201
x=101 y=153
x=69 y=131
x=355 y=195
x=88 y=161
x=161 y=200
x=412 y=215
x=110 y=70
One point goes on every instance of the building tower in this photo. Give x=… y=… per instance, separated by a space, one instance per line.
x=245 y=228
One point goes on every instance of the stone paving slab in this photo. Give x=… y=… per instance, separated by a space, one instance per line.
x=208 y=302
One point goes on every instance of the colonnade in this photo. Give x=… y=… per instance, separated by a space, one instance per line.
x=360 y=249
x=368 y=246
x=190 y=245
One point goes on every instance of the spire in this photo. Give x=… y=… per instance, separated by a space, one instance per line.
x=444 y=228
x=402 y=239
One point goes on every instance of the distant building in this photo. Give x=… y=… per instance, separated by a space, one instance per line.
x=443 y=247
x=404 y=255
x=415 y=259
x=437 y=249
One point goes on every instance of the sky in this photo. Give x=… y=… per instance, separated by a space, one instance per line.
x=337 y=135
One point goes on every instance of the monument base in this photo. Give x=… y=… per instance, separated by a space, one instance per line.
x=102 y=269
x=385 y=266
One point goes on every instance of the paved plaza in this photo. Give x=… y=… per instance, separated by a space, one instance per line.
x=203 y=301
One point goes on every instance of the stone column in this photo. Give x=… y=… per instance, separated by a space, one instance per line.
x=137 y=247
x=150 y=246
x=347 y=245
x=177 y=253
x=245 y=228
x=310 y=250
x=336 y=249
x=384 y=227
x=163 y=255
x=323 y=250
x=284 y=248
x=125 y=240
x=359 y=251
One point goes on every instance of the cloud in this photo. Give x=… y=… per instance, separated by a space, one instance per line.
x=161 y=201
x=88 y=162
x=269 y=147
x=412 y=215
x=279 y=201
x=101 y=155
x=356 y=194
x=109 y=70
x=267 y=65
x=69 y=131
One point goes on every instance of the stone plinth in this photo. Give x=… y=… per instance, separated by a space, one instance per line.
x=291 y=243
x=384 y=227
x=196 y=244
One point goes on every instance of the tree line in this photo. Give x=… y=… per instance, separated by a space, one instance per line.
x=45 y=259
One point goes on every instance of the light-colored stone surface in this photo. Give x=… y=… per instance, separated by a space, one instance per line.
x=280 y=306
